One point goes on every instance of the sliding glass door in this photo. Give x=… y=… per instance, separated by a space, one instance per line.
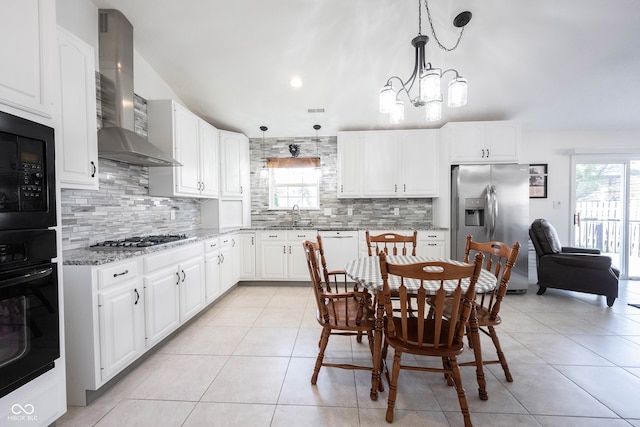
x=606 y=198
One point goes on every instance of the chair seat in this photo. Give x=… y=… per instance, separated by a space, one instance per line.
x=348 y=313
x=426 y=348
x=482 y=314
x=484 y=317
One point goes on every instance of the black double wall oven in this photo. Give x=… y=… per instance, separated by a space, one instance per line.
x=29 y=302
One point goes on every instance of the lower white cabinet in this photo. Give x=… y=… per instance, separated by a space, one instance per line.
x=104 y=323
x=174 y=289
x=121 y=320
x=212 y=269
x=247 y=255
x=281 y=256
x=116 y=312
x=226 y=263
x=431 y=243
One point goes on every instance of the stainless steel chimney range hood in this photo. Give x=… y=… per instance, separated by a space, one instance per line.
x=117 y=140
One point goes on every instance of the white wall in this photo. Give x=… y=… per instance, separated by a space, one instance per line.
x=555 y=149
x=80 y=17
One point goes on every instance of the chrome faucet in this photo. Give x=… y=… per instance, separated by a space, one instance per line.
x=295 y=215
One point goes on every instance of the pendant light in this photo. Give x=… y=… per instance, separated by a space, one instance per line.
x=264 y=172
x=427 y=78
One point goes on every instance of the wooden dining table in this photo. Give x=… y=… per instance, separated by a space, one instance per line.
x=365 y=272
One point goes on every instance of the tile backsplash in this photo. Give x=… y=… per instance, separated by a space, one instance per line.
x=367 y=213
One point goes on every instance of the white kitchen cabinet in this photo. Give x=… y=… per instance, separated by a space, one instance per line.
x=121 y=319
x=226 y=263
x=394 y=164
x=350 y=164
x=483 y=142
x=247 y=255
x=76 y=113
x=174 y=289
x=419 y=163
x=431 y=243
x=28 y=46
x=192 y=287
x=104 y=323
x=281 y=256
x=193 y=142
x=234 y=154
x=212 y=269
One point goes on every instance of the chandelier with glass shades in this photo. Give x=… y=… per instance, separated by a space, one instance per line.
x=428 y=78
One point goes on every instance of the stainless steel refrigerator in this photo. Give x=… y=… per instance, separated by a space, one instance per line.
x=491 y=202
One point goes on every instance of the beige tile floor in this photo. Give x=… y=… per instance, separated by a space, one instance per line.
x=247 y=361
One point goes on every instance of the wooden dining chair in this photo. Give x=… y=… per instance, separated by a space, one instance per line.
x=338 y=279
x=499 y=259
x=339 y=312
x=428 y=332
x=393 y=242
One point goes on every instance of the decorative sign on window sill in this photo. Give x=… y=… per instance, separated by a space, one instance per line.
x=538 y=181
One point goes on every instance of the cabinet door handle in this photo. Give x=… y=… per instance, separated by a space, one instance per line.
x=395 y=188
x=222 y=256
x=137 y=297
x=483 y=153
x=252 y=241
x=487 y=153
x=202 y=189
x=219 y=260
x=233 y=242
x=289 y=250
x=184 y=276
x=93 y=170
x=241 y=190
x=178 y=275
x=284 y=249
x=404 y=188
x=341 y=188
x=120 y=274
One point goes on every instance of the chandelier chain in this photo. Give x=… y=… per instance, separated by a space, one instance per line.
x=433 y=31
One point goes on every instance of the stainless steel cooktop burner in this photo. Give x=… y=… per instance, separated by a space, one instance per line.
x=139 y=242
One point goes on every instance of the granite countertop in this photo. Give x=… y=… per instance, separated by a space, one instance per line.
x=85 y=256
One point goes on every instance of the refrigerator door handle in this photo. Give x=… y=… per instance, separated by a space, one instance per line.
x=494 y=211
x=489 y=208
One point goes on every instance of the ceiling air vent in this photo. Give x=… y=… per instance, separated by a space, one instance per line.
x=315 y=110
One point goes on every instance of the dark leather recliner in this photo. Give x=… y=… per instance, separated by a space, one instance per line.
x=573 y=269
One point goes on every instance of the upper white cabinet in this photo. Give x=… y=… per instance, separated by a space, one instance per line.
x=234 y=171
x=193 y=142
x=27 y=44
x=76 y=113
x=483 y=142
x=388 y=164
x=234 y=207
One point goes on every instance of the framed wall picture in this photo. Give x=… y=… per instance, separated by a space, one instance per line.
x=538 y=181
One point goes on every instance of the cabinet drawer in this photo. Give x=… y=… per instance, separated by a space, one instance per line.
x=429 y=235
x=266 y=236
x=299 y=235
x=211 y=245
x=170 y=258
x=118 y=273
x=227 y=240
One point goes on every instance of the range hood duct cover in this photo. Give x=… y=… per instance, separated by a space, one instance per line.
x=117 y=140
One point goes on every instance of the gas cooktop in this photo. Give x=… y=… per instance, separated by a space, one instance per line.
x=139 y=242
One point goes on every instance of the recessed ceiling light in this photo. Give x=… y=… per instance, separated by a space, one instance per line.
x=296 y=81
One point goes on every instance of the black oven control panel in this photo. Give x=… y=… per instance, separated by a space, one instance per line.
x=31 y=181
